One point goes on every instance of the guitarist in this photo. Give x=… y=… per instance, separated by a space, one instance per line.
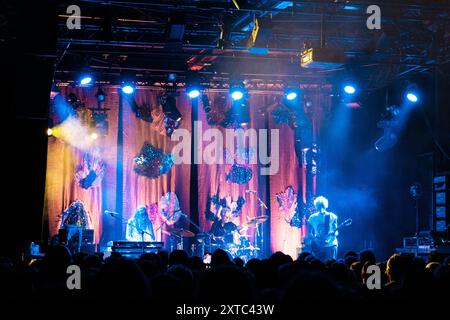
x=322 y=231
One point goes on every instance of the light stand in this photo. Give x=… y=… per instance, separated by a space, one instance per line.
x=415 y=190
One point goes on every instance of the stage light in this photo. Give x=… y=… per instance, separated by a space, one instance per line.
x=54 y=91
x=127 y=89
x=85 y=80
x=193 y=93
x=49 y=132
x=94 y=136
x=172 y=77
x=412 y=97
x=237 y=94
x=206 y=104
x=100 y=95
x=349 y=89
x=169 y=104
x=291 y=94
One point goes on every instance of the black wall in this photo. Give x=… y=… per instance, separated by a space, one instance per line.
x=31 y=46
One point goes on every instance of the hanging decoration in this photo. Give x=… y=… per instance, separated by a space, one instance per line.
x=151 y=162
x=89 y=174
x=215 y=204
x=240 y=171
x=288 y=205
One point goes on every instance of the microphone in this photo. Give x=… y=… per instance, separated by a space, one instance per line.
x=111 y=213
x=250 y=191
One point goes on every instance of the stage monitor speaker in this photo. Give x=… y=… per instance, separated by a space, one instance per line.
x=87 y=236
x=441 y=205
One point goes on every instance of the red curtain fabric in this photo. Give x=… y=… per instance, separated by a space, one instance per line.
x=138 y=190
x=212 y=178
x=63 y=156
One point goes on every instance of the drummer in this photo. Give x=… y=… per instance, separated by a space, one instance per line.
x=223 y=229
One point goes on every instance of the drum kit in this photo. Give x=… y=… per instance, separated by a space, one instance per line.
x=235 y=241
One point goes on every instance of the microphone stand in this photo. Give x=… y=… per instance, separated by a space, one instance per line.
x=198 y=228
x=165 y=223
x=123 y=221
x=262 y=205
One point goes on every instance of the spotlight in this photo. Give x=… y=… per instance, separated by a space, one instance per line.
x=291 y=96
x=94 y=136
x=172 y=116
x=206 y=104
x=169 y=104
x=73 y=100
x=54 y=92
x=172 y=77
x=49 y=132
x=349 y=89
x=100 y=95
x=238 y=114
x=412 y=97
x=127 y=89
x=85 y=80
x=193 y=93
x=237 y=93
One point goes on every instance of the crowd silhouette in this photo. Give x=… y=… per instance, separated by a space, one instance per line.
x=179 y=278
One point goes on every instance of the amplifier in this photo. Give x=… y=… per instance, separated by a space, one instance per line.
x=87 y=235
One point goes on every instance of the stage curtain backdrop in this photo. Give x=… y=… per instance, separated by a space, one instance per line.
x=61 y=188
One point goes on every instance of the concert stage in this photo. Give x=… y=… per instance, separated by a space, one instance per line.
x=271 y=132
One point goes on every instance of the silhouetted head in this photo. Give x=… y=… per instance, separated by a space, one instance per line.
x=220 y=258
x=367 y=256
x=178 y=257
x=395 y=268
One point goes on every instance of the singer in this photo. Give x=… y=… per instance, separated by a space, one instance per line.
x=139 y=227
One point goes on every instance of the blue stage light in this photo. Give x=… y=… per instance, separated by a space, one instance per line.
x=237 y=94
x=291 y=95
x=86 y=79
x=193 y=93
x=412 y=96
x=127 y=89
x=349 y=89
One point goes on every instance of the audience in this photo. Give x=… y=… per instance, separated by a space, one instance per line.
x=177 y=277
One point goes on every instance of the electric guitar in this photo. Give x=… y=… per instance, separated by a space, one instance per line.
x=322 y=238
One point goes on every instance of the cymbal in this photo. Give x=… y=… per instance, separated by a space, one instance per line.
x=255 y=221
x=183 y=233
x=250 y=248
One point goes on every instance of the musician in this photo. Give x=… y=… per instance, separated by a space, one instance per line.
x=76 y=216
x=224 y=227
x=139 y=227
x=169 y=207
x=74 y=220
x=322 y=230
x=169 y=215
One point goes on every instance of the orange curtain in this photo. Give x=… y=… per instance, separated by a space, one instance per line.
x=63 y=157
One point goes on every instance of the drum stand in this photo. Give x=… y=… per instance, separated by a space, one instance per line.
x=263 y=206
x=197 y=227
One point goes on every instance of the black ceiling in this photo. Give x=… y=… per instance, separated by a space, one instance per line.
x=130 y=38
